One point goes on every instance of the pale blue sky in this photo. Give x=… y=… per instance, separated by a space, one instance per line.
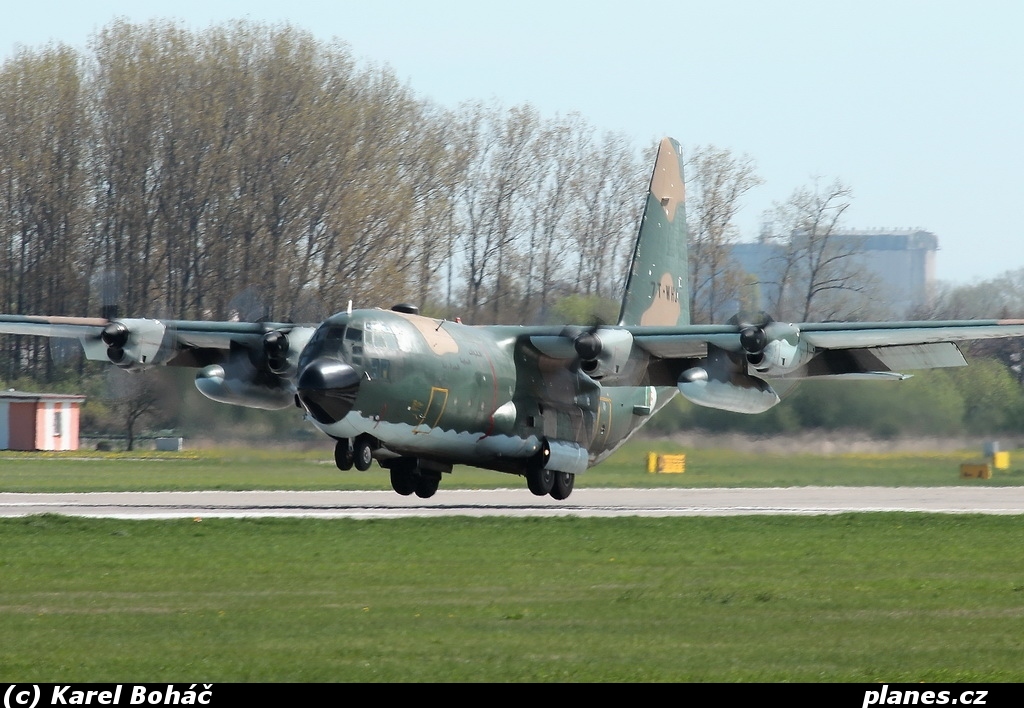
x=917 y=105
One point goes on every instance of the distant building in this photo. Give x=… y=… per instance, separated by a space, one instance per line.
x=39 y=421
x=900 y=262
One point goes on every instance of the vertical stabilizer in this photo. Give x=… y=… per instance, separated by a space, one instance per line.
x=657 y=287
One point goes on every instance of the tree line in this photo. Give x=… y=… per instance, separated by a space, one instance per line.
x=249 y=171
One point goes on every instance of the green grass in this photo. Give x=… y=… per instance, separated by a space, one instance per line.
x=866 y=598
x=241 y=469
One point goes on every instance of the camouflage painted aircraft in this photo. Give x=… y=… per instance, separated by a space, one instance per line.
x=420 y=395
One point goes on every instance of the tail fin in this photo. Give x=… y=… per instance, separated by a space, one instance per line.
x=657 y=287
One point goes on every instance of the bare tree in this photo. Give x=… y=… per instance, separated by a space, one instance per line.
x=138 y=398
x=194 y=166
x=443 y=157
x=716 y=181
x=492 y=201
x=1001 y=296
x=817 y=270
x=42 y=149
x=603 y=221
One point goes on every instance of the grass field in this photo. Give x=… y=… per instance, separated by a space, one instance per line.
x=236 y=468
x=862 y=597
x=869 y=597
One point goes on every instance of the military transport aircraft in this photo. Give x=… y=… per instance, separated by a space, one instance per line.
x=420 y=394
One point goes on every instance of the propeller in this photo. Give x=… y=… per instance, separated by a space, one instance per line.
x=598 y=351
x=248 y=306
x=107 y=286
x=753 y=338
x=275 y=351
x=588 y=346
x=115 y=336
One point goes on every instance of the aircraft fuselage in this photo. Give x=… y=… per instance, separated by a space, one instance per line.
x=456 y=394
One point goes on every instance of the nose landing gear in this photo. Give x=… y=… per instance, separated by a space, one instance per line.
x=357 y=453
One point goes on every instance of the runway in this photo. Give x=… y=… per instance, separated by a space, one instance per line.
x=519 y=502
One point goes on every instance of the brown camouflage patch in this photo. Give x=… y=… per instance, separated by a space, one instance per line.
x=439 y=341
x=665 y=306
x=667 y=180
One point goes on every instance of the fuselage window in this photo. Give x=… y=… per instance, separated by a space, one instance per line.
x=379 y=369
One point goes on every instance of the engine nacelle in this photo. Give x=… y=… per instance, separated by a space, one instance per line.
x=776 y=349
x=217 y=384
x=601 y=353
x=604 y=352
x=132 y=344
x=281 y=349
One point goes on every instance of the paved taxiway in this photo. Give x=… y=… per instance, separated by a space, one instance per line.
x=519 y=502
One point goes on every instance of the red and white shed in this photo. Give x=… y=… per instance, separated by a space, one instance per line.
x=39 y=421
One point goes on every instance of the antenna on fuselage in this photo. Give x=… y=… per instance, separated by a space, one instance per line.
x=350 y=307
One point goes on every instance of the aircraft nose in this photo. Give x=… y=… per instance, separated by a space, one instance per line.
x=328 y=389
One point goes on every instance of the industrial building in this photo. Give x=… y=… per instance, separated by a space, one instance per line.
x=899 y=262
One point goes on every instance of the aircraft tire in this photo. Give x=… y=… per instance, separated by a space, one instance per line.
x=404 y=480
x=343 y=456
x=363 y=454
x=562 y=488
x=427 y=484
x=540 y=481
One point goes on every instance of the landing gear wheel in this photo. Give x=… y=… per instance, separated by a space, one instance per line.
x=564 y=482
x=427 y=483
x=343 y=456
x=362 y=454
x=540 y=481
x=403 y=480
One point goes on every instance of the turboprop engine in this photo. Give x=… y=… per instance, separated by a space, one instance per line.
x=602 y=353
x=775 y=348
x=133 y=343
x=732 y=379
x=257 y=378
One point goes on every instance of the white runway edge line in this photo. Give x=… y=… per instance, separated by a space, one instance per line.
x=515 y=502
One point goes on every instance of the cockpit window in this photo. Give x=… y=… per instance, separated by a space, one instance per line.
x=379 y=337
x=354 y=348
x=327 y=338
x=334 y=335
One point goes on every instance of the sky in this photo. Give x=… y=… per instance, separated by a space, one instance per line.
x=916 y=105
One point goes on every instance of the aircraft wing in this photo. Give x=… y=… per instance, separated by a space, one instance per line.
x=132 y=342
x=731 y=366
x=693 y=340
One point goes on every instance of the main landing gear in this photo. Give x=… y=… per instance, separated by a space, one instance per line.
x=407 y=477
x=543 y=481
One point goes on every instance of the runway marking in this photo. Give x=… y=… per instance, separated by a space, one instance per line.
x=591 y=502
